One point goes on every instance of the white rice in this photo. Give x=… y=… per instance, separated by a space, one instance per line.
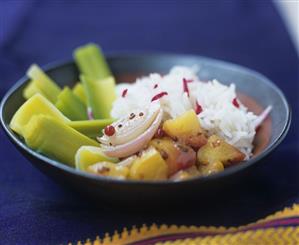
x=219 y=115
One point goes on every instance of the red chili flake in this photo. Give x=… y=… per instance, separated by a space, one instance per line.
x=155 y=86
x=235 y=103
x=185 y=86
x=124 y=93
x=109 y=130
x=198 y=108
x=158 y=96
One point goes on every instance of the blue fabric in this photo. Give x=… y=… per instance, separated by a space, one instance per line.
x=34 y=210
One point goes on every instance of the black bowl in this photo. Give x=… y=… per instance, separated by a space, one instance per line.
x=126 y=68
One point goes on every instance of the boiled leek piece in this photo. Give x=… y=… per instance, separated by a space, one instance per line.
x=91 y=62
x=100 y=95
x=70 y=105
x=30 y=90
x=88 y=155
x=90 y=128
x=98 y=83
x=79 y=91
x=36 y=105
x=43 y=83
x=55 y=139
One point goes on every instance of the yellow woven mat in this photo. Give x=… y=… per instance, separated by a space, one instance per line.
x=279 y=228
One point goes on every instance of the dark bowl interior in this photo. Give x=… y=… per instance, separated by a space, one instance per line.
x=254 y=90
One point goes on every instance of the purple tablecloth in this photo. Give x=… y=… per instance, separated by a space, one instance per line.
x=34 y=210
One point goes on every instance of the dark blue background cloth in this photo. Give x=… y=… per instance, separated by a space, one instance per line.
x=34 y=210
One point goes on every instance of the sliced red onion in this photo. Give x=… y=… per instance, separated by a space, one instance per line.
x=130 y=127
x=135 y=145
x=262 y=117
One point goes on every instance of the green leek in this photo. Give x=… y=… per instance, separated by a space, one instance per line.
x=30 y=90
x=88 y=155
x=90 y=128
x=79 y=91
x=100 y=95
x=36 y=105
x=70 y=105
x=91 y=62
x=43 y=83
x=55 y=139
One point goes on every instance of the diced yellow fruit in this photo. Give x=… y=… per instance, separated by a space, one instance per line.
x=54 y=138
x=187 y=124
x=217 y=150
x=30 y=90
x=45 y=85
x=150 y=166
x=176 y=155
x=89 y=155
x=185 y=174
x=109 y=169
x=210 y=168
x=187 y=129
x=90 y=128
x=79 y=91
x=36 y=105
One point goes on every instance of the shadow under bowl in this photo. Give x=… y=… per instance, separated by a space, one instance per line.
x=254 y=90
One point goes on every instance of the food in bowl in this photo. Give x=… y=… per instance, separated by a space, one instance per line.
x=161 y=127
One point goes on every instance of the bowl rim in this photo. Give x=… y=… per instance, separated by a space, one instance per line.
x=117 y=55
